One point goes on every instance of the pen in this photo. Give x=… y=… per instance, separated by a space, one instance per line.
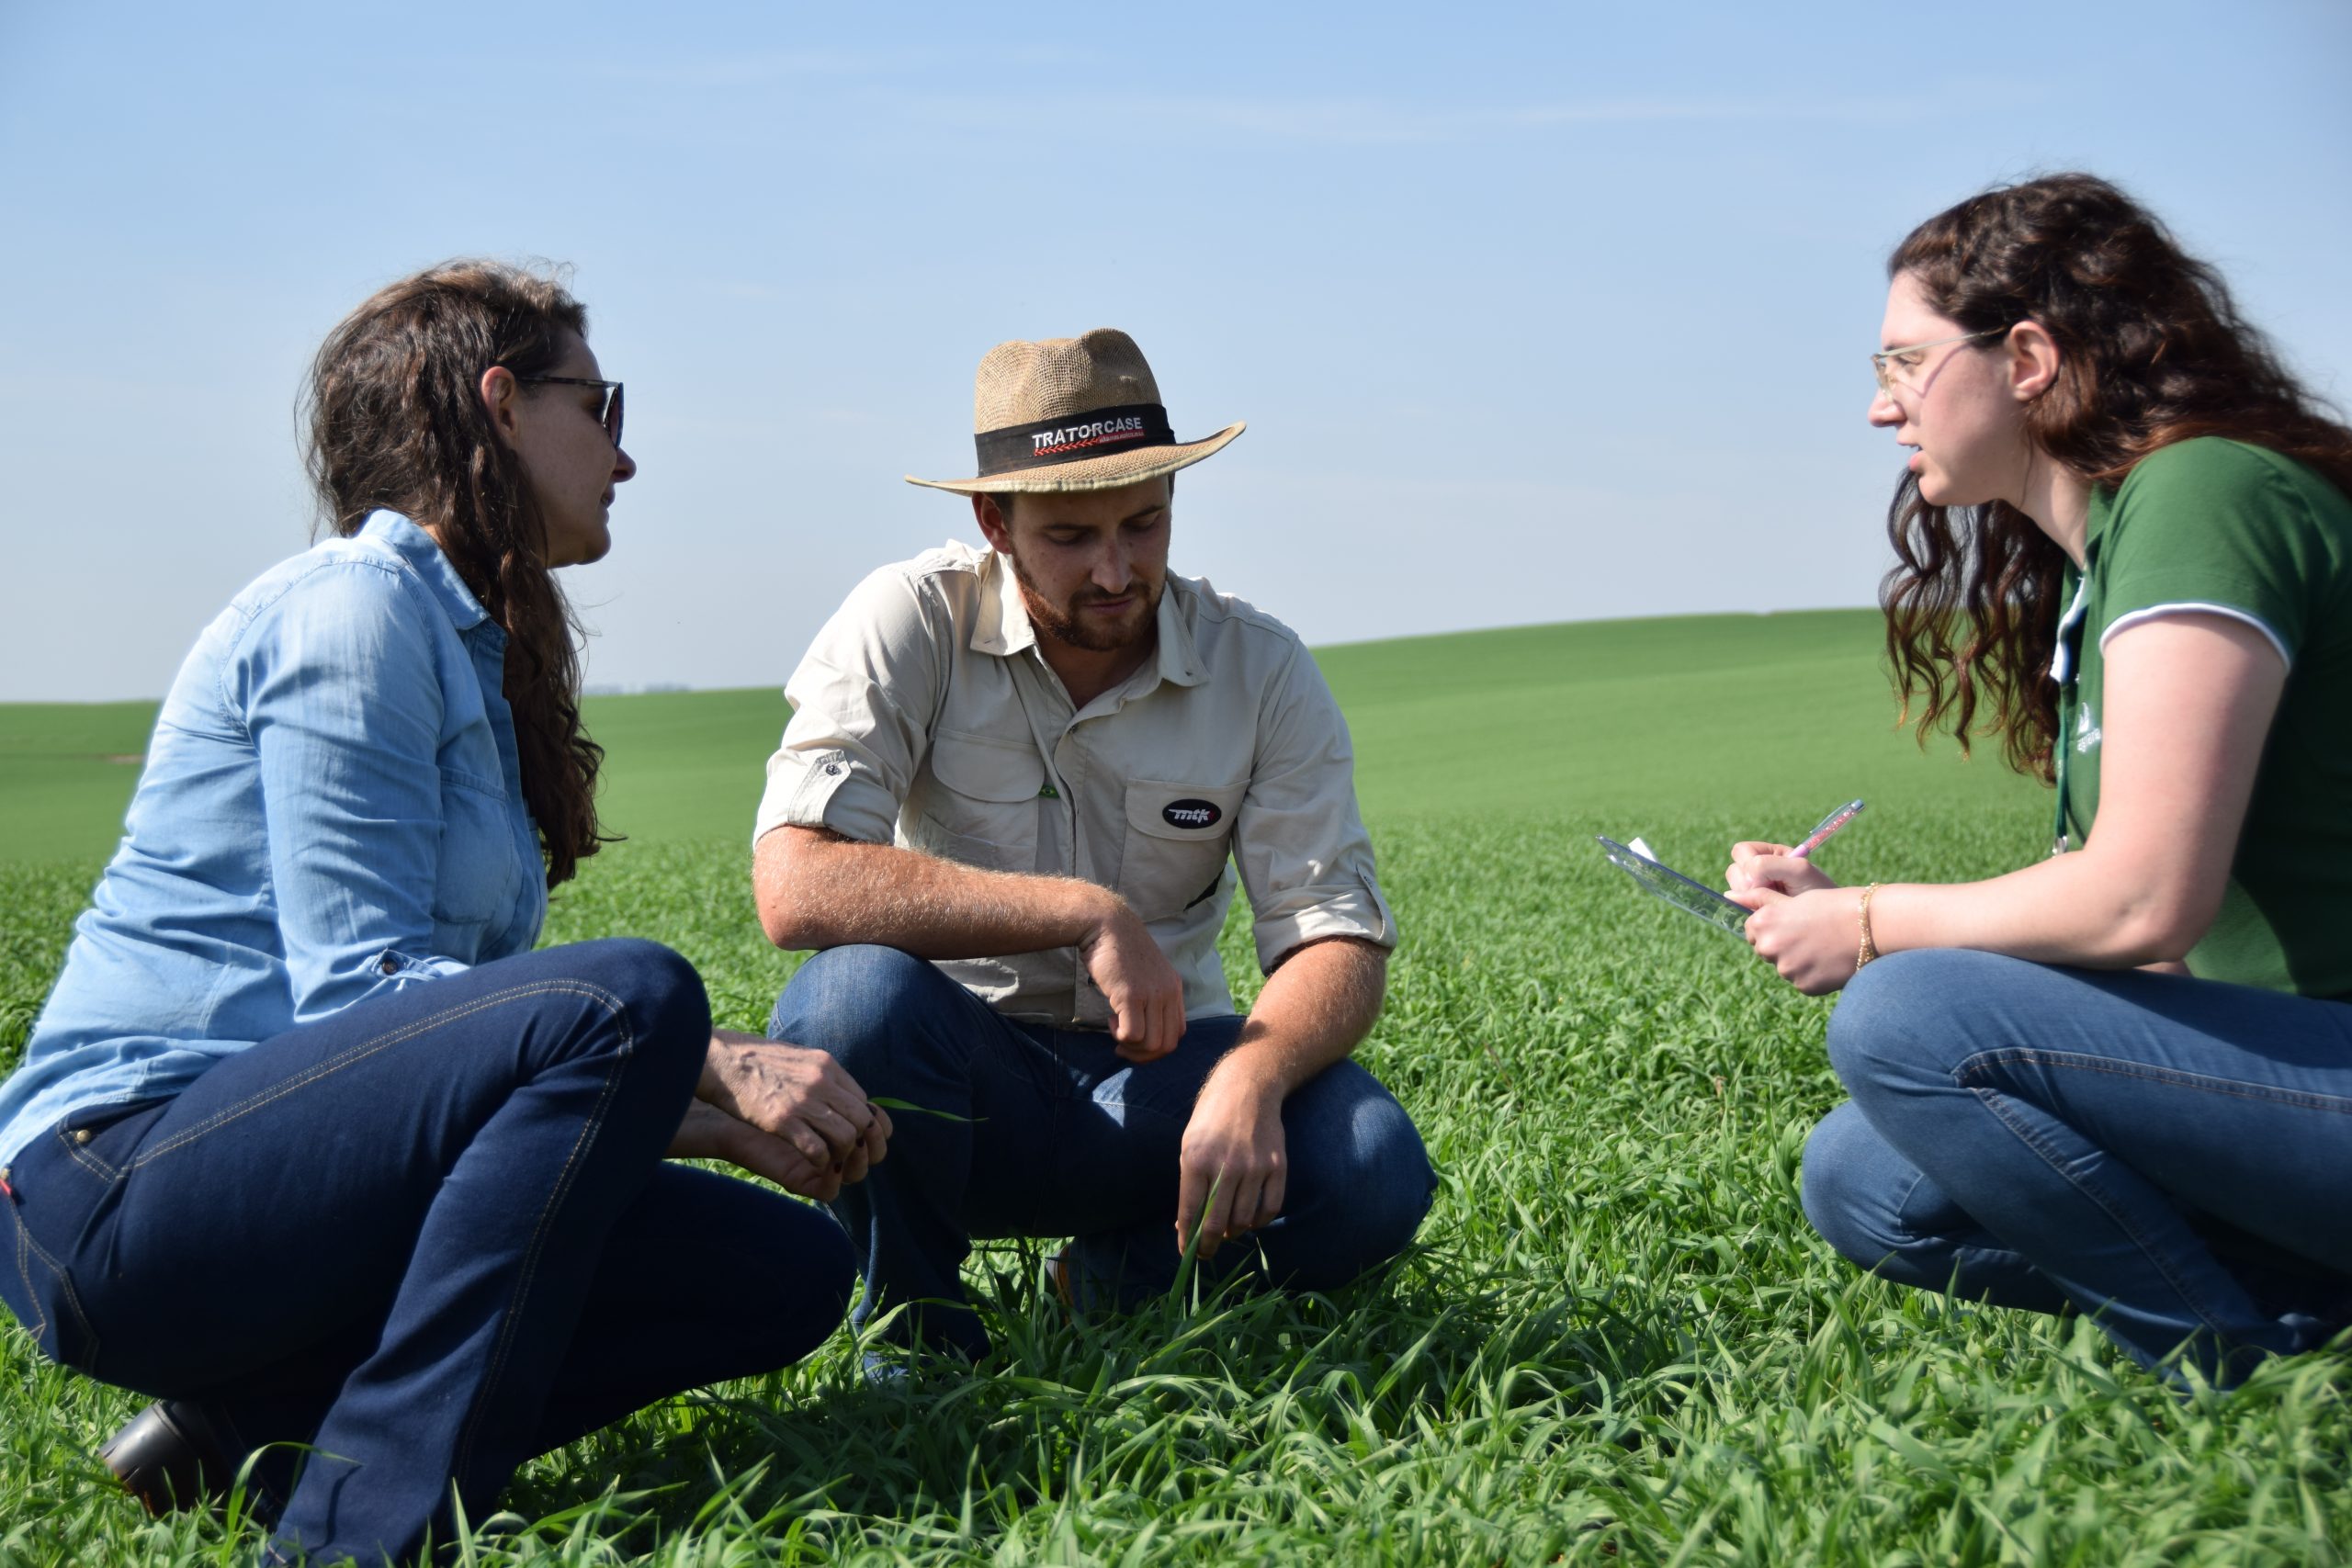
x=1827 y=826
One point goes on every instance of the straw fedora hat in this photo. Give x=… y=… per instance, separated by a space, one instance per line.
x=1072 y=413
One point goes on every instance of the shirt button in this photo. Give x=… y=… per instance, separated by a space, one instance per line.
x=390 y=965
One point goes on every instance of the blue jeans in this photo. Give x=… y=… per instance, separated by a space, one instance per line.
x=2172 y=1156
x=431 y=1237
x=1061 y=1136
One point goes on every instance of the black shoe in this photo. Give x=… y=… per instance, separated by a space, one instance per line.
x=171 y=1455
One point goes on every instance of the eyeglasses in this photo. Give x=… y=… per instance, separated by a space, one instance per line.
x=608 y=412
x=1883 y=362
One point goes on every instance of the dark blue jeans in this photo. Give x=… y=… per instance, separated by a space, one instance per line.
x=430 y=1237
x=2172 y=1155
x=1061 y=1136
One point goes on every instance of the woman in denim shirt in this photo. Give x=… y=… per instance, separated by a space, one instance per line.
x=308 y=1142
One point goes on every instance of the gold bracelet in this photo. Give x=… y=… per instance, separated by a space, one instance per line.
x=1868 y=950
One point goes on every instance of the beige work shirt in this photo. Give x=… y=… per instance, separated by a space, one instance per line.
x=925 y=715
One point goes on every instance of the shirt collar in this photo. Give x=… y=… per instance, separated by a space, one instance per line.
x=1180 y=656
x=427 y=560
x=1002 y=627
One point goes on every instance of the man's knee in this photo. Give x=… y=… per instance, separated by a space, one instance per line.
x=1374 y=1170
x=855 y=1003
x=1396 y=1197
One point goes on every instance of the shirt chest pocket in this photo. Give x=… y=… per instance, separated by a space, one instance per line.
x=981 y=808
x=1178 y=835
x=477 y=878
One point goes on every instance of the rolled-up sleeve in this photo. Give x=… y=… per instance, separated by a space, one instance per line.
x=863 y=701
x=1299 y=841
x=336 y=684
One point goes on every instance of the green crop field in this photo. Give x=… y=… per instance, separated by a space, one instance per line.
x=1616 y=1340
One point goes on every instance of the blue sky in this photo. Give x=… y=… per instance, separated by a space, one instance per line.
x=1535 y=312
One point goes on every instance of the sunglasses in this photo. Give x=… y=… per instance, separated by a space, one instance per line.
x=608 y=412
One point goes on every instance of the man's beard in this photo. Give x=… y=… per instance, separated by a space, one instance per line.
x=1071 y=625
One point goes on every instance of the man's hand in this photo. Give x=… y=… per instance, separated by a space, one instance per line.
x=1235 y=1163
x=801 y=1098
x=709 y=1133
x=1145 y=995
x=1320 y=1001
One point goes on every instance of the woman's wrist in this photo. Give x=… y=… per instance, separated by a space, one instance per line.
x=717 y=1073
x=1866 y=948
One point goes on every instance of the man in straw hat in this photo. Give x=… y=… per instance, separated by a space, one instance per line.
x=1029 y=765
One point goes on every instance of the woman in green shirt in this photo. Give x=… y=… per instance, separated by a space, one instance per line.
x=2120 y=1079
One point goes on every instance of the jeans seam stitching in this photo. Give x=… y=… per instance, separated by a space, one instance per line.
x=512 y=1314
x=360 y=1052
x=82 y=1157
x=1990 y=1099
x=1916 y=1177
x=24 y=1272
x=64 y=1284
x=2202 y=1082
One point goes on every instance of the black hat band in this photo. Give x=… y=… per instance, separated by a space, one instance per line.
x=1094 y=434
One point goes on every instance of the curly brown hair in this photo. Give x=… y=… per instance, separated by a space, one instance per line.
x=396 y=421
x=2153 y=350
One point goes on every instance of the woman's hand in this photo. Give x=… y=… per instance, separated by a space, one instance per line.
x=1813 y=939
x=709 y=1133
x=800 y=1097
x=1755 y=865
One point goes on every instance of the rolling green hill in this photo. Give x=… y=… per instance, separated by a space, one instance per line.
x=1764 y=720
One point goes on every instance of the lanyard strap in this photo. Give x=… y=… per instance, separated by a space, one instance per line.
x=2066 y=665
x=2058 y=845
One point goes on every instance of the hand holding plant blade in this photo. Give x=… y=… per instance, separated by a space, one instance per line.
x=800 y=1096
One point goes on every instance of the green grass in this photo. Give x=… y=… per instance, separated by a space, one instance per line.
x=66 y=771
x=1616 y=1340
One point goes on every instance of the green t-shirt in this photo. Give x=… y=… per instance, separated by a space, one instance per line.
x=2222 y=527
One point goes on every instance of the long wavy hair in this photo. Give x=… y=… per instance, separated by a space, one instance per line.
x=2152 y=351
x=396 y=421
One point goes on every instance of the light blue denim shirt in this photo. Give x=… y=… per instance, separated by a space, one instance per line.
x=331 y=810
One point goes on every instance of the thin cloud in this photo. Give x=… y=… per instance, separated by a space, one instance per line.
x=1364 y=121
x=760 y=68
x=745 y=70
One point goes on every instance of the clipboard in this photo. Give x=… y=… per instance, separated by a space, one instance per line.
x=1693 y=898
